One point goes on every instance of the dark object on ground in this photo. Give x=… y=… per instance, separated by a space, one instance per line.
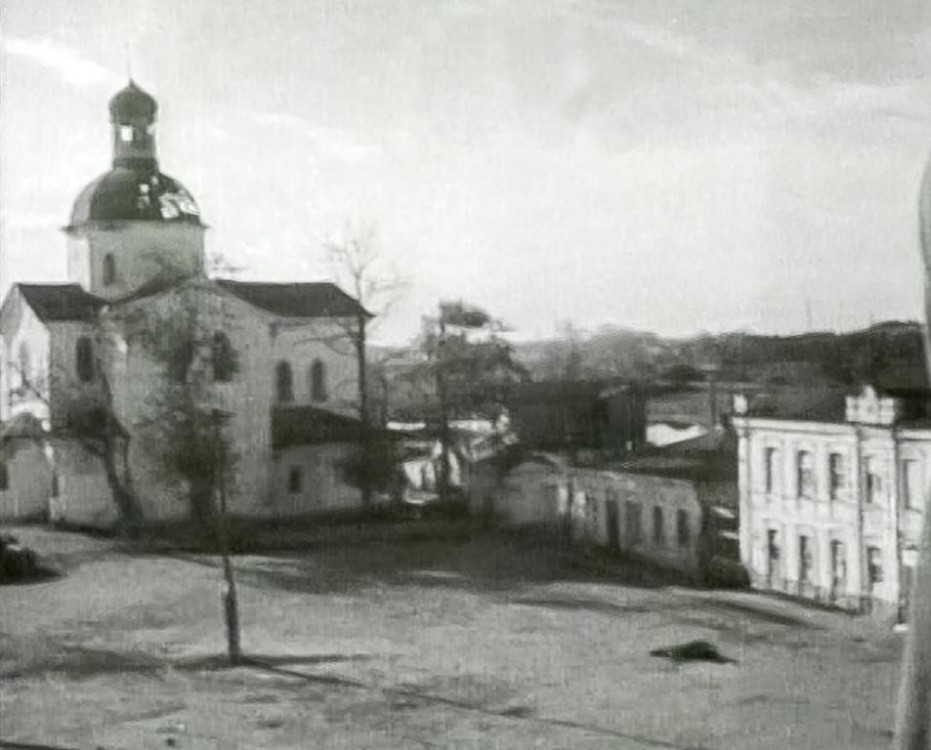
x=17 y=563
x=720 y=573
x=693 y=651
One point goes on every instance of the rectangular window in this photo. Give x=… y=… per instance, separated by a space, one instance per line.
x=659 y=533
x=772 y=553
x=682 y=528
x=837 y=476
x=805 y=474
x=912 y=484
x=838 y=566
x=875 y=565
x=770 y=458
x=4 y=477
x=634 y=523
x=295 y=480
x=874 y=482
x=804 y=559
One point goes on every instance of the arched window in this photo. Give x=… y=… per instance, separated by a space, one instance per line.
x=318 y=389
x=295 y=480
x=109 y=269
x=223 y=358
x=284 y=382
x=25 y=364
x=84 y=359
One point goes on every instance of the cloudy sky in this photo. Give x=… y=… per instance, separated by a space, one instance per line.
x=670 y=165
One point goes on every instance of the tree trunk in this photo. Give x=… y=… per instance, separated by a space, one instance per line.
x=115 y=451
x=364 y=418
x=443 y=489
x=202 y=506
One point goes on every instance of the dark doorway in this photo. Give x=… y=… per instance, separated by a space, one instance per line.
x=611 y=519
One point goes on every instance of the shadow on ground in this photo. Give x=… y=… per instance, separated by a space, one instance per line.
x=41 y=574
x=79 y=662
x=480 y=560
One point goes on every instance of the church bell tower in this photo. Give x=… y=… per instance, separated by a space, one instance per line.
x=134 y=223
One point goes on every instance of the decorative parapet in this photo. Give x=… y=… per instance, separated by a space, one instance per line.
x=870 y=408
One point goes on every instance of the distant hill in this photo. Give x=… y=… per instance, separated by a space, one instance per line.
x=887 y=351
x=889 y=354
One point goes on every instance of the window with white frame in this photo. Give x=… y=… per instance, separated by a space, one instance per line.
x=874 y=559
x=874 y=480
x=913 y=484
x=837 y=477
x=805 y=559
x=805 y=474
x=770 y=468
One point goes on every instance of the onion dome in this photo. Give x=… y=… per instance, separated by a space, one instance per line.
x=132 y=104
x=124 y=194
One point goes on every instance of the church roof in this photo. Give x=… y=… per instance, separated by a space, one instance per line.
x=309 y=425
x=124 y=194
x=132 y=103
x=296 y=300
x=60 y=302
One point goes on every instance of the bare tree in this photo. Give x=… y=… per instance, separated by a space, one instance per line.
x=359 y=267
x=471 y=365
x=193 y=351
x=95 y=426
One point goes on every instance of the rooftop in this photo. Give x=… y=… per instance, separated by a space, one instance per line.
x=60 y=302
x=310 y=425
x=296 y=300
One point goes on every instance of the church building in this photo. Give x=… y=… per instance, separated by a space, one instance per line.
x=92 y=371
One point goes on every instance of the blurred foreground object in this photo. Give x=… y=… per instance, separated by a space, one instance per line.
x=913 y=717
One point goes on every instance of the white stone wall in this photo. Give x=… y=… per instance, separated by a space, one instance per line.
x=141 y=249
x=137 y=379
x=527 y=496
x=84 y=497
x=29 y=481
x=23 y=326
x=647 y=492
x=847 y=518
x=260 y=341
x=322 y=488
x=67 y=392
x=302 y=341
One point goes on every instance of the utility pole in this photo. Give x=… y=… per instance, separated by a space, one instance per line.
x=230 y=599
x=444 y=415
x=913 y=715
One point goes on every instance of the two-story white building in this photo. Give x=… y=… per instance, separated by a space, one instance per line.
x=277 y=355
x=832 y=496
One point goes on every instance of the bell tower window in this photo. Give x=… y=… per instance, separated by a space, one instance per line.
x=109 y=269
x=318 y=389
x=126 y=133
x=84 y=359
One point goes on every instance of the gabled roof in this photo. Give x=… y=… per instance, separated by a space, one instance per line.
x=296 y=300
x=674 y=467
x=309 y=425
x=60 y=302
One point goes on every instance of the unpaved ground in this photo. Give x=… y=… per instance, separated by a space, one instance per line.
x=481 y=642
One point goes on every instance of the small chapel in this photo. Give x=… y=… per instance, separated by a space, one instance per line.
x=140 y=315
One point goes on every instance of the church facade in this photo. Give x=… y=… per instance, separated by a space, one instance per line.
x=140 y=333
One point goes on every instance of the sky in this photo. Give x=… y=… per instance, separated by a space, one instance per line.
x=667 y=165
